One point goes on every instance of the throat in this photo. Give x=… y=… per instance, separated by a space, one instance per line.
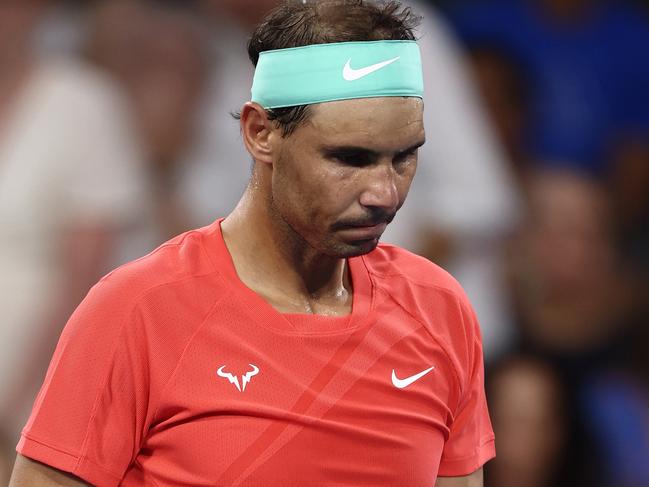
x=340 y=305
x=328 y=294
x=291 y=283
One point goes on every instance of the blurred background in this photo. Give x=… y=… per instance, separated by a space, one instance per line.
x=533 y=190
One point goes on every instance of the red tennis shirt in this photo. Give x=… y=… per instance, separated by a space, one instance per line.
x=173 y=373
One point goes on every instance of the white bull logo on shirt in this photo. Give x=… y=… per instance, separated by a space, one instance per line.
x=245 y=378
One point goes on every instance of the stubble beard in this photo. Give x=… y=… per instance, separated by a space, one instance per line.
x=294 y=236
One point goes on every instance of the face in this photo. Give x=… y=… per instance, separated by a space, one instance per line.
x=340 y=178
x=570 y=237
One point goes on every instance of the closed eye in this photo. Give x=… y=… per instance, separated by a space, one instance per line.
x=405 y=156
x=405 y=160
x=360 y=156
x=353 y=158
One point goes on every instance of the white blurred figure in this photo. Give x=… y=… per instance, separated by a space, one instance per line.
x=70 y=179
x=159 y=55
x=219 y=166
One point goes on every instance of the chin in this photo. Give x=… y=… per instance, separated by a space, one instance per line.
x=345 y=250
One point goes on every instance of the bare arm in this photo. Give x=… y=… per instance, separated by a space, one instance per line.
x=28 y=473
x=473 y=480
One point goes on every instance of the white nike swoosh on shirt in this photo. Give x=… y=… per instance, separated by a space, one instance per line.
x=401 y=383
x=351 y=74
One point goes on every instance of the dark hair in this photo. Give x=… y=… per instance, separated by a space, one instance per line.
x=301 y=23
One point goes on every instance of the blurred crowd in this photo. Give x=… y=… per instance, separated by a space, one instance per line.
x=116 y=133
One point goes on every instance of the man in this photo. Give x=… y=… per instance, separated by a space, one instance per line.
x=463 y=202
x=282 y=346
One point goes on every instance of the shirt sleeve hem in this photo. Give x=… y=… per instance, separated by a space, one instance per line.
x=467 y=465
x=57 y=458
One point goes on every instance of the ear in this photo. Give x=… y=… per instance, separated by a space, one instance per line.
x=259 y=134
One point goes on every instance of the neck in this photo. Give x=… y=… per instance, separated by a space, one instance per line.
x=274 y=261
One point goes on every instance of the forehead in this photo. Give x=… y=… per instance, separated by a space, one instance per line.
x=387 y=122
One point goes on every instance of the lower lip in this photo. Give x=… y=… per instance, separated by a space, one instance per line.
x=364 y=233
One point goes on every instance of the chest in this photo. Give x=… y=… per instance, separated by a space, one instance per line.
x=249 y=405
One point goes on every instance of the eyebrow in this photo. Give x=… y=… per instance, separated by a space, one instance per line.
x=352 y=149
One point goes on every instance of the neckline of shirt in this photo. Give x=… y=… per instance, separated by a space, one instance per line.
x=293 y=323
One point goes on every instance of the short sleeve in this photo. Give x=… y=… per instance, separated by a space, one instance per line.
x=90 y=414
x=471 y=439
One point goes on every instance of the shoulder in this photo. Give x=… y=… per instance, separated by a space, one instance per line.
x=390 y=264
x=154 y=303
x=141 y=316
x=179 y=264
x=430 y=295
x=176 y=284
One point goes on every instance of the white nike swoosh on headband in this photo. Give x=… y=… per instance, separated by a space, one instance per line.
x=351 y=74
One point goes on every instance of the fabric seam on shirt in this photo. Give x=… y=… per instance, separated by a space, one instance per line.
x=79 y=457
x=85 y=459
x=417 y=282
x=373 y=284
x=101 y=388
x=59 y=449
x=145 y=474
x=441 y=345
x=457 y=297
x=114 y=346
x=155 y=251
x=182 y=355
x=476 y=452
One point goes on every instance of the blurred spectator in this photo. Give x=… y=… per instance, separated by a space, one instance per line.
x=571 y=288
x=527 y=409
x=218 y=167
x=69 y=181
x=503 y=87
x=159 y=54
x=464 y=199
x=630 y=188
x=616 y=407
x=589 y=84
x=575 y=303
x=568 y=87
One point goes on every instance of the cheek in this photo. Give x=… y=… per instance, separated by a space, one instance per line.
x=404 y=179
x=302 y=195
x=329 y=194
x=323 y=192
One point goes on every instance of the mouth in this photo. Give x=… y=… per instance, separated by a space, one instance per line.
x=363 y=232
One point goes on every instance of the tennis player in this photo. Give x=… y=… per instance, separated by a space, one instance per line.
x=283 y=345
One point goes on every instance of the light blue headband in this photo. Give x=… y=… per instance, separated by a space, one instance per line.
x=337 y=71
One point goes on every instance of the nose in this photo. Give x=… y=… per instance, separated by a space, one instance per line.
x=381 y=189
